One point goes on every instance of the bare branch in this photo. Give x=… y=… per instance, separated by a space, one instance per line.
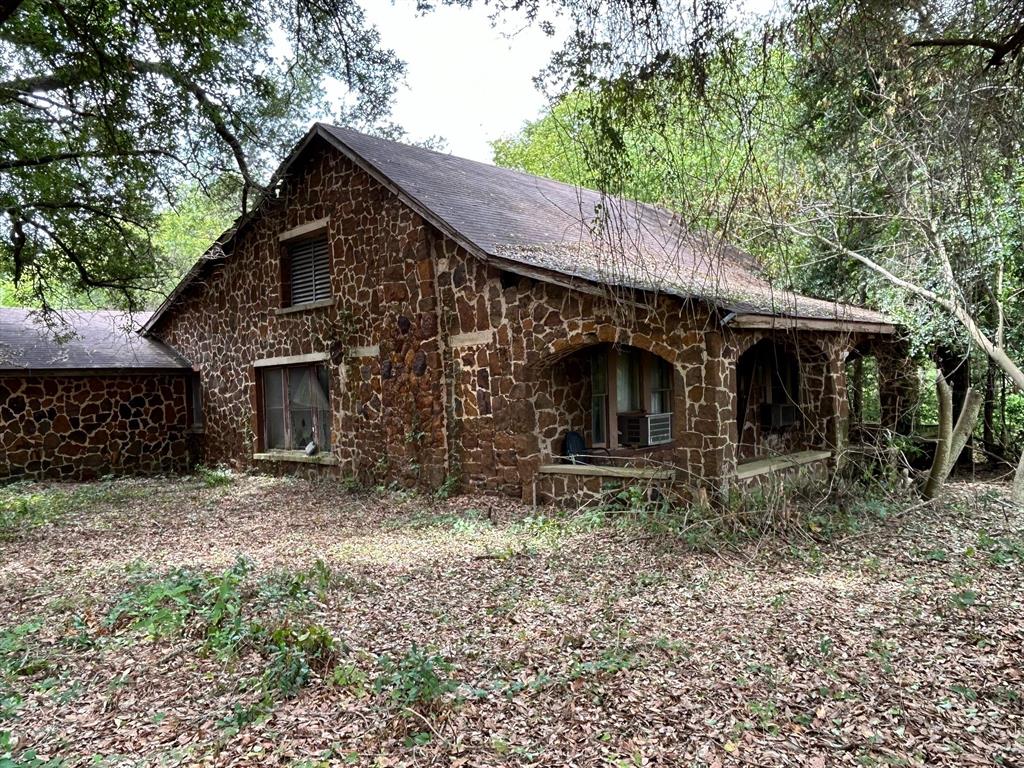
x=1008 y=47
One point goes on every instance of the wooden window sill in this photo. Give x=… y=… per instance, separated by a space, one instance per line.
x=298 y=457
x=321 y=304
x=593 y=470
x=758 y=467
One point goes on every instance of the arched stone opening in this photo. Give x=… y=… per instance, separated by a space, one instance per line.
x=881 y=380
x=863 y=394
x=616 y=397
x=769 y=386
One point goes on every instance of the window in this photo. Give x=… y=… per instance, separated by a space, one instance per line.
x=306 y=271
x=627 y=381
x=630 y=398
x=599 y=398
x=296 y=408
x=661 y=386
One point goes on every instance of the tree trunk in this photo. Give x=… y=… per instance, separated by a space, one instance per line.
x=952 y=438
x=991 y=437
x=955 y=366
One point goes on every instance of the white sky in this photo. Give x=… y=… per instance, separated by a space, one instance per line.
x=467 y=81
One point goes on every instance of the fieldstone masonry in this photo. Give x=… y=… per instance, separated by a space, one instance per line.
x=84 y=427
x=445 y=366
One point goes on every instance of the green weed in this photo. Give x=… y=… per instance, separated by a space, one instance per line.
x=417 y=679
x=215 y=477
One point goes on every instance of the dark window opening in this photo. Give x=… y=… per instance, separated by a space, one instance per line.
x=296 y=408
x=195 y=403
x=306 y=271
x=768 y=389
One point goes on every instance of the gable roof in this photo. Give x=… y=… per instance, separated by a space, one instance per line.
x=94 y=340
x=558 y=231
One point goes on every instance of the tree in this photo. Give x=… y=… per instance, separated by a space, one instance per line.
x=108 y=109
x=918 y=156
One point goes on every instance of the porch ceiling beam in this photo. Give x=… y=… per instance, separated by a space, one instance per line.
x=774 y=322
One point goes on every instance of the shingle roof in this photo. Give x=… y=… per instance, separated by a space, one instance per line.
x=582 y=233
x=90 y=340
x=560 y=229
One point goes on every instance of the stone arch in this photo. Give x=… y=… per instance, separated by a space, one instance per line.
x=898 y=385
x=564 y=346
x=548 y=389
x=811 y=418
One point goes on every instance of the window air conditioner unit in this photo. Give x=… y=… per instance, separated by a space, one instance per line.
x=642 y=429
x=779 y=415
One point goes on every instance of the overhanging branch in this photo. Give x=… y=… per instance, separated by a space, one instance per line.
x=1008 y=47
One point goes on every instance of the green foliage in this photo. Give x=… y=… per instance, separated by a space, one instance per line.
x=20 y=657
x=417 y=679
x=210 y=606
x=232 y=615
x=294 y=655
x=21 y=510
x=18 y=651
x=611 y=661
x=185 y=231
x=449 y=487
x=107 y=110
x=213 y=478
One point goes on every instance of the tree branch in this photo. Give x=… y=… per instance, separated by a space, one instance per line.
x=997 y=355
x=213 y=113
x=32 y=162
x=1008 y=47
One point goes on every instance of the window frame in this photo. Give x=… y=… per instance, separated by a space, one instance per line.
x=318 y=425
x=644 y=375
x=290 y=240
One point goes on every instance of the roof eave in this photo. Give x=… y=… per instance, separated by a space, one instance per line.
x=7 y=373
x=752 y=321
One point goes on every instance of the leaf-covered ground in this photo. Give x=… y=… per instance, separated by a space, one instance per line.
x=272 y=621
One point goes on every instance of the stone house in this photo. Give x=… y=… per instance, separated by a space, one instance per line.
x=393 y=314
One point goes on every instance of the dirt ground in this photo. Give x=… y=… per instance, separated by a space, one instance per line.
x=547 y=641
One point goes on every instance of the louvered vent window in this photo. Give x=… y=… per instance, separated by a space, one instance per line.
x=306 y=275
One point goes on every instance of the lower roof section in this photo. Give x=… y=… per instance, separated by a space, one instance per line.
x=78 y=341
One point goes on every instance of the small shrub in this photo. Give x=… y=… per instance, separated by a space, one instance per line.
x=215 y=477
x=348 y=675
x=449 y=487
x=416 y=680
x=294 y=654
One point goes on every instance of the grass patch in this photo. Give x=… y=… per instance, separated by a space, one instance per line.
x=22 y=509
x=25 y=506
x=215 y=477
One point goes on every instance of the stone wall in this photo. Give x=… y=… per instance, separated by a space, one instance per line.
x=83 y=427
x=380 y=332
